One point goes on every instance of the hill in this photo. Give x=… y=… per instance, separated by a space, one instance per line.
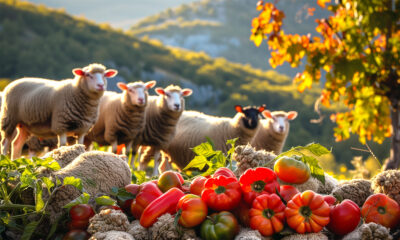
x=221 y=28
x=40 y=42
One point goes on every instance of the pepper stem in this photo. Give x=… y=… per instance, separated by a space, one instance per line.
x=258 y=186
x=305 y=211
x=268 y=213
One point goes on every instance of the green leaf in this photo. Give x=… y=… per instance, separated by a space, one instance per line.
x=27 y=178
x=29 y=230
x=232 y=142
x=220 y=159
x=2 y=228
x=316 y=171
x=53 y=228
x=210 y=142
x=76 y=182
x=138 y=177
x=105 y=201
x=124 y=195
x=49 y=184
x=82 y=199
x=5 y=217
x=204 y=149
x=316 y=149
x=197 y=162
x=39 y=197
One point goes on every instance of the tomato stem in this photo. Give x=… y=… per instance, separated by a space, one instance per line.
x=258 y=186
x=268 y=213
x=305 y=211
x=381 y=210
x=220 y=189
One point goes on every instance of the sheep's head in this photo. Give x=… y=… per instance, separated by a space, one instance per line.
x=94 y=75
x=280 y=120
x=137 y=91
x=173 y=96
x=251 y=115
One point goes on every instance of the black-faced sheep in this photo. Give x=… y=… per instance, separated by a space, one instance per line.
x=272 y=134
x=194 y=127
x=49 y=108
x=162 y=114
x=122 y=116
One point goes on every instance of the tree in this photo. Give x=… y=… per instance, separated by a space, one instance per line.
x=358 y=48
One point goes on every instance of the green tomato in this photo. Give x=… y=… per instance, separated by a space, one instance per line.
x=222 y=225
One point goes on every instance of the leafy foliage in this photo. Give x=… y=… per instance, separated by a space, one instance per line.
x=315 y=149
x=21 y=176
x=209 y=159
x=357 y=48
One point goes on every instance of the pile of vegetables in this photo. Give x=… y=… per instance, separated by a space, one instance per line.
x=218 y=203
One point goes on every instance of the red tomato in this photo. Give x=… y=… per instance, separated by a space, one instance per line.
x=76 y=235
x=197 y=185
x=287 y=192
x=192 y=210
x=78 y=224
x=81 y=212
x=267 y=214
x=241 y=212
x=381 y=209
x=344 y=217
x=132 y=188
x=223 y=171
x=168 y=180
x=291 y=170
x=330 y=200
x=222 y=193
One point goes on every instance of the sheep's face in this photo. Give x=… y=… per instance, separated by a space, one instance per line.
x=95 y=80
x=251 y=115
x=174 y=98
x=280 y=120
x=137 y=91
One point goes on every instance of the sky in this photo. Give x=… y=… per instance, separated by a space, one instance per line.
x=119 y=14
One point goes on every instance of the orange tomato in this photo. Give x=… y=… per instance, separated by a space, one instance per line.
x=168 y=180
x=192 y=209
x=307 y=212
x=381 y=209
x=197 y=185
x=291 y=170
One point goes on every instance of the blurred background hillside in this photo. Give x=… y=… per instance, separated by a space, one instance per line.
x=203 y=45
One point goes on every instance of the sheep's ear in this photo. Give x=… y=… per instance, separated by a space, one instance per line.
x=150 y=84
x=78 y=72
x=186 y=92
x=160 y=91
x=122 y=86
x=238 y=108
x=110 y=73
x=267 y=114
x=261 y=108
x=291 y=115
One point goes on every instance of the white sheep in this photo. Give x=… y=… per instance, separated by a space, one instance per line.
x=272 y=134
x=162 y=114
x=122 y=116
x=194 y=127
x=48 y=108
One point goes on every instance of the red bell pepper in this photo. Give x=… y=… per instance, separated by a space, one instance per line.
x=147 y=193
x=225 y=172
x=165 y=203
x=255 y=182
x=222 y=193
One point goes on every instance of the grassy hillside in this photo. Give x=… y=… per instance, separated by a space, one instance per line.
x=221 y=28
x=36 y=41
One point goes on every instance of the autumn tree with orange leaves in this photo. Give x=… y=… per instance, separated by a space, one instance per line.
x=358 y=48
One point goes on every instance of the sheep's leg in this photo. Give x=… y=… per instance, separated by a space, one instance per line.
x=142 y=164
x=62 y=139
x=5 y=145
x=156 y=162
x=19 y=141
x=165 y=163
x=80 y=139
x=128 y=148
x=114 y=147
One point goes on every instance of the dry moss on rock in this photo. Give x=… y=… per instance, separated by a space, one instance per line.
x=387 y=182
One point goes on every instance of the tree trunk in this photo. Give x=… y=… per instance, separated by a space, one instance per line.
x=394 y=159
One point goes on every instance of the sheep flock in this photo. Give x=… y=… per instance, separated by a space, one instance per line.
x=42 y=114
